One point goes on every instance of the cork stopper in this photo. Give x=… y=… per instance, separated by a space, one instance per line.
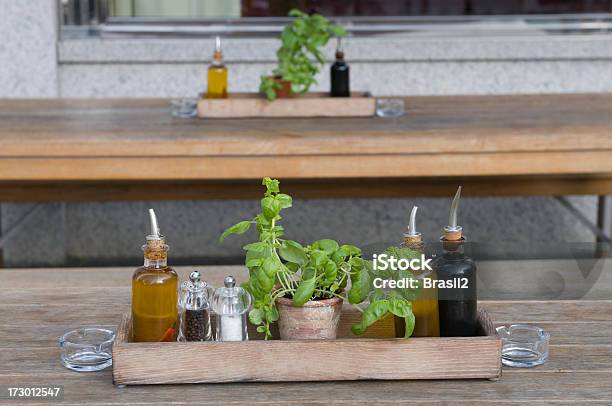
x=155 y=248
x=412 y=238
x=453 y=232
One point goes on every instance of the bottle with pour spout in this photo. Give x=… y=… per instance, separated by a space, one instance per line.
x=340 y=83
x=154 y=291
x=217 y=74
x=457 y=275
x=425 y=306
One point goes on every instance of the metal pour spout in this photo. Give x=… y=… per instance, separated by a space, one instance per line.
x=155 y=233
x=217 y=44
x=412 y=238
x=412 y=223
x=453 y=231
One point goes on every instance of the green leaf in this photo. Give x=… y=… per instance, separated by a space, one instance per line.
x=256 y=246
x=238 y=228
x=271 y=266
x=400 y=308
x=374 y=312
x=361 y=285
x=272 y=185
x=292 y=251
x=266 y=282
x=261 y=329
x=327 y=245
x=256 y=316
x=409 y=320
x=304 y=291
x=331 y=271
x=271 y=314
x=351 y=250
x=317 y=258
x=253 y=262
x=284 y=200
x=270 y=207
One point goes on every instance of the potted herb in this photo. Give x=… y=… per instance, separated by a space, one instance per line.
x=302 y=287
x=299 y=56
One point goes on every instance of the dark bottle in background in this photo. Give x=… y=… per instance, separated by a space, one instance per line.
x=340 y=74
x=457 y=305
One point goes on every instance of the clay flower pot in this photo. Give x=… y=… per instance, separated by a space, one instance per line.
x=285 y=88
x=316 y=320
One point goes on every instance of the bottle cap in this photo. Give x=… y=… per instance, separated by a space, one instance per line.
x=229 y=281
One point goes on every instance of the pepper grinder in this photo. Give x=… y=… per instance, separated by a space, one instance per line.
x=194 y=309
x=231 y=303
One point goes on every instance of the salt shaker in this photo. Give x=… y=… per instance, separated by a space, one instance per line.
x=194 y=310
x=231 y=303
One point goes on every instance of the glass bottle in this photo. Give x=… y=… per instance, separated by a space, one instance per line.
x=231 y=304
x=217 y=74
x=457 y=301
x=425 y=306
x=194 y=310
x=154 y=292
x=340 y=83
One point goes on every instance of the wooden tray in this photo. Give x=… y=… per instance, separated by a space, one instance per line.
x=242 y=105
x=347 y=358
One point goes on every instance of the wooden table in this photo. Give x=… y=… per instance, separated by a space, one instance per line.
x=36 y=306
x=133 y=149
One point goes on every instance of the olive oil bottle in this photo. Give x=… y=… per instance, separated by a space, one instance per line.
x=457 y=272
x=217 y=74
x=425 y=306
x=154 y=292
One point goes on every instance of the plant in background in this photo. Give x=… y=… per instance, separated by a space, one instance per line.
x=284 y=268
x=383 y=302
x=300 y=56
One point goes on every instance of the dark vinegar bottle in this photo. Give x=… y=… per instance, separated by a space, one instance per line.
x=340 y=74
x=457 y=275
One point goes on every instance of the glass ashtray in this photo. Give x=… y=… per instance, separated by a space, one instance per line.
x=184 y=108
x=87 y=349
x=390 y=107
x=523 y=345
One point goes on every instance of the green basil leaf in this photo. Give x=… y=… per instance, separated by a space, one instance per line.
x=238 y=228
x=256 y=246
x=304 y=291
x=256 y=316
x=292 y=251
x=374 y=312
x=270 y=207
x=327 y=245
x=271 y=266
x=331 y=272
x=409 y=320
x=317 y=258
x=361 y=285
x=284 y=200
x=272 y=185
x=351 y=250
x=400 y=308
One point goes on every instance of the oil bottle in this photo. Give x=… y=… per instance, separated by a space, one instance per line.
x=425 y=306
x=217 y=74
x=340 y=84
x=154 y=291
x=457 y=274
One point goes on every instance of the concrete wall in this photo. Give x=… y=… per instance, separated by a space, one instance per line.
x=35 y=64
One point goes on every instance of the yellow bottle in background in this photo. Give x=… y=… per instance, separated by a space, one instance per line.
x=425 y=306
x=217 y=74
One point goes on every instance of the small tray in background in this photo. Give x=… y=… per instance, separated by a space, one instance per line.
x=376 y=356
x=243 y=105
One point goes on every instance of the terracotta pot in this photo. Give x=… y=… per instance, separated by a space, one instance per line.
x=285 y=90
x=316 y=320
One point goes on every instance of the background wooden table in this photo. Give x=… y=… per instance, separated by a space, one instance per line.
x=131 y=149
x=37 y=306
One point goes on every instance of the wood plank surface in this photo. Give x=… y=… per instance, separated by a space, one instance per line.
x=37 y=305
x=470 y=136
